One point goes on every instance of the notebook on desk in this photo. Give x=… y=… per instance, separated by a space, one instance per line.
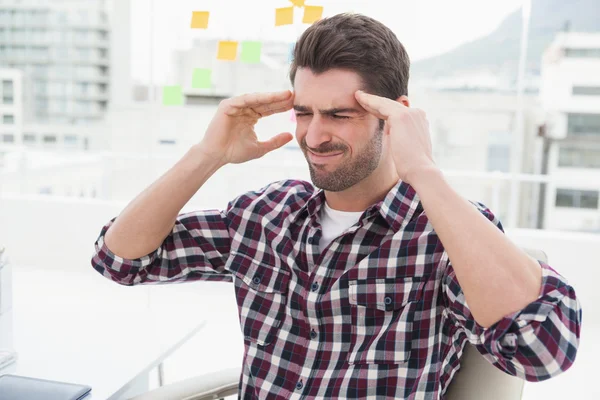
x=15 y=387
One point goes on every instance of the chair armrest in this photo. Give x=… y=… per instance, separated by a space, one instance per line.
x=211 y=386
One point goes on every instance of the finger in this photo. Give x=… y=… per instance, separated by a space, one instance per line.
x=259 y=99
x=379 y=106
x=275 y=142
x=274 y=108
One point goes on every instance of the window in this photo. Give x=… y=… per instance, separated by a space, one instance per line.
x=8 y=100
x=577 y=198
x=586 y=90
x=49 y=139
x=578 y=157
x=8 y=119
x=167 y=141
x=583 y=53
x=70 y=139
x=584 y=124
x=29 y=138
x=7 y=87
x=8 y=138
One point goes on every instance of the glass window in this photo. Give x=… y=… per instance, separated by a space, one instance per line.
x=7 y=87
x=71 y=139
x=583 y=124
x=586 y=90
x=49 y=139
x=8 y=100
x=498 y=157
x=578 y=157
x=8 y=119
x=167 y=141
x=577 y=198
x=29 y=138
x=8 y=138
x=583 y=53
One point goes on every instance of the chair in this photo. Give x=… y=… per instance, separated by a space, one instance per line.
x=476 y=379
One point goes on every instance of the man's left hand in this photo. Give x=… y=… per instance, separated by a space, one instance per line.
x=409 y=133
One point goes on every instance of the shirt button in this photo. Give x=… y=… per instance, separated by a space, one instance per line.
x=256 y=279
x=311 y=240
x=314 y=287
x=388 y=300
x=313 y=334
x=299 y=385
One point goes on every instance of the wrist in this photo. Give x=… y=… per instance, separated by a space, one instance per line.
x=424 y=174
x=204 y=158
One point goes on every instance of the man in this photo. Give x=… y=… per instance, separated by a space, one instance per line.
x=370 y=286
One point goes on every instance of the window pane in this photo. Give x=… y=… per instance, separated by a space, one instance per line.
x=589 y=199
x=8 y=138
x=582 y=124
x=578 y=157
x=583 y=53
x=8 y=119
x=586 y=90
x=565 y=198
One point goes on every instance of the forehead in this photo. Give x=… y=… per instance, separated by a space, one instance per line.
x=329 y=89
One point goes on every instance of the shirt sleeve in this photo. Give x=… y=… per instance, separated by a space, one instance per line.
x=196 y=249
x=536 y=343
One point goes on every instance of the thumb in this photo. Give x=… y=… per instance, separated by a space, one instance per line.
x=275 y=142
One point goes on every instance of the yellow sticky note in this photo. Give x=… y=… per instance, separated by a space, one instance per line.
x=298 y=3
x=284 y=16
x=200 y=19
x=227 y=50
x=312 y=14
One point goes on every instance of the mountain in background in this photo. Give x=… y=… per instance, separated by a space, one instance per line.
x=493 y=60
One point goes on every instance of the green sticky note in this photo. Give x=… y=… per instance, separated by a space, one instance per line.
x=251 y=52
x=201 y=78
x=172 y=96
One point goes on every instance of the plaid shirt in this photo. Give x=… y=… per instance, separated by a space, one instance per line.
x=380 y=313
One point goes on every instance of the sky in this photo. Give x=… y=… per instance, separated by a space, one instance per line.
x=425 y=27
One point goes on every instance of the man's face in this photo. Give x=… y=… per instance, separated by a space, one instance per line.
x=340 y=140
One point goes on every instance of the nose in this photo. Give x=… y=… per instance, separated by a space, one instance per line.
x=316 y=134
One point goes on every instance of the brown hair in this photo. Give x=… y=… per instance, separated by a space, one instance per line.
x=358 y=43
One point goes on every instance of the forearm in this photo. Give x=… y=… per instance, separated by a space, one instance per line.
x=496 y=276
x=143 y=225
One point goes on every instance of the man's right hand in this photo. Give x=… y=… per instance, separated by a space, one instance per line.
x=230 y=137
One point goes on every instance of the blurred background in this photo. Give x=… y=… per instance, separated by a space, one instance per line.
x=99 y=98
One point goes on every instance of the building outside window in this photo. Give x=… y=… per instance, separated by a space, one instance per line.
x=578 y=157
x=583 y=124
x=577 y=198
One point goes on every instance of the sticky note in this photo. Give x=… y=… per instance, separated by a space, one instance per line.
x=172 y=96
x=227 y=50
x=298 y=3
x=201 y=78
x=312 y=14
x=284 y=16
x=251 y=52
x=200 y=19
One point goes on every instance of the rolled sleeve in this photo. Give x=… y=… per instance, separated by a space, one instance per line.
x=535 y=343
x=196 y=249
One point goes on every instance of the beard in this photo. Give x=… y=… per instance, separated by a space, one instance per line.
x=349 y=172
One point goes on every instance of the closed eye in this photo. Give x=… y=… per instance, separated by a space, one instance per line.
x=340 y=117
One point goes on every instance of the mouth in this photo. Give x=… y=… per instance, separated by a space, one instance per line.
x=323 y=158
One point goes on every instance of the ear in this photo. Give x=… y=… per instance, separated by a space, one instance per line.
x=404 y=100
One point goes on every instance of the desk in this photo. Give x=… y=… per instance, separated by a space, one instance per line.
x=60 y=333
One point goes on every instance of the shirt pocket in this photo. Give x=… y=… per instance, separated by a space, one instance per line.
x=261 y=295
x=382 y=319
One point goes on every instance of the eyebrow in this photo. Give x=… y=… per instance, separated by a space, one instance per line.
x=331 y=111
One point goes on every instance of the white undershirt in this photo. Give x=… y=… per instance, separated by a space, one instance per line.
x=334 y=222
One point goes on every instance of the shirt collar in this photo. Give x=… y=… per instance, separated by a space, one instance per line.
x=397 y=208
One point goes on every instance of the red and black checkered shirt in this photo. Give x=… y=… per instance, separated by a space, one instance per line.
x=379 y=313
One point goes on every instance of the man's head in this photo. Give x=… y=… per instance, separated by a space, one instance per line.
x=332 y=59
